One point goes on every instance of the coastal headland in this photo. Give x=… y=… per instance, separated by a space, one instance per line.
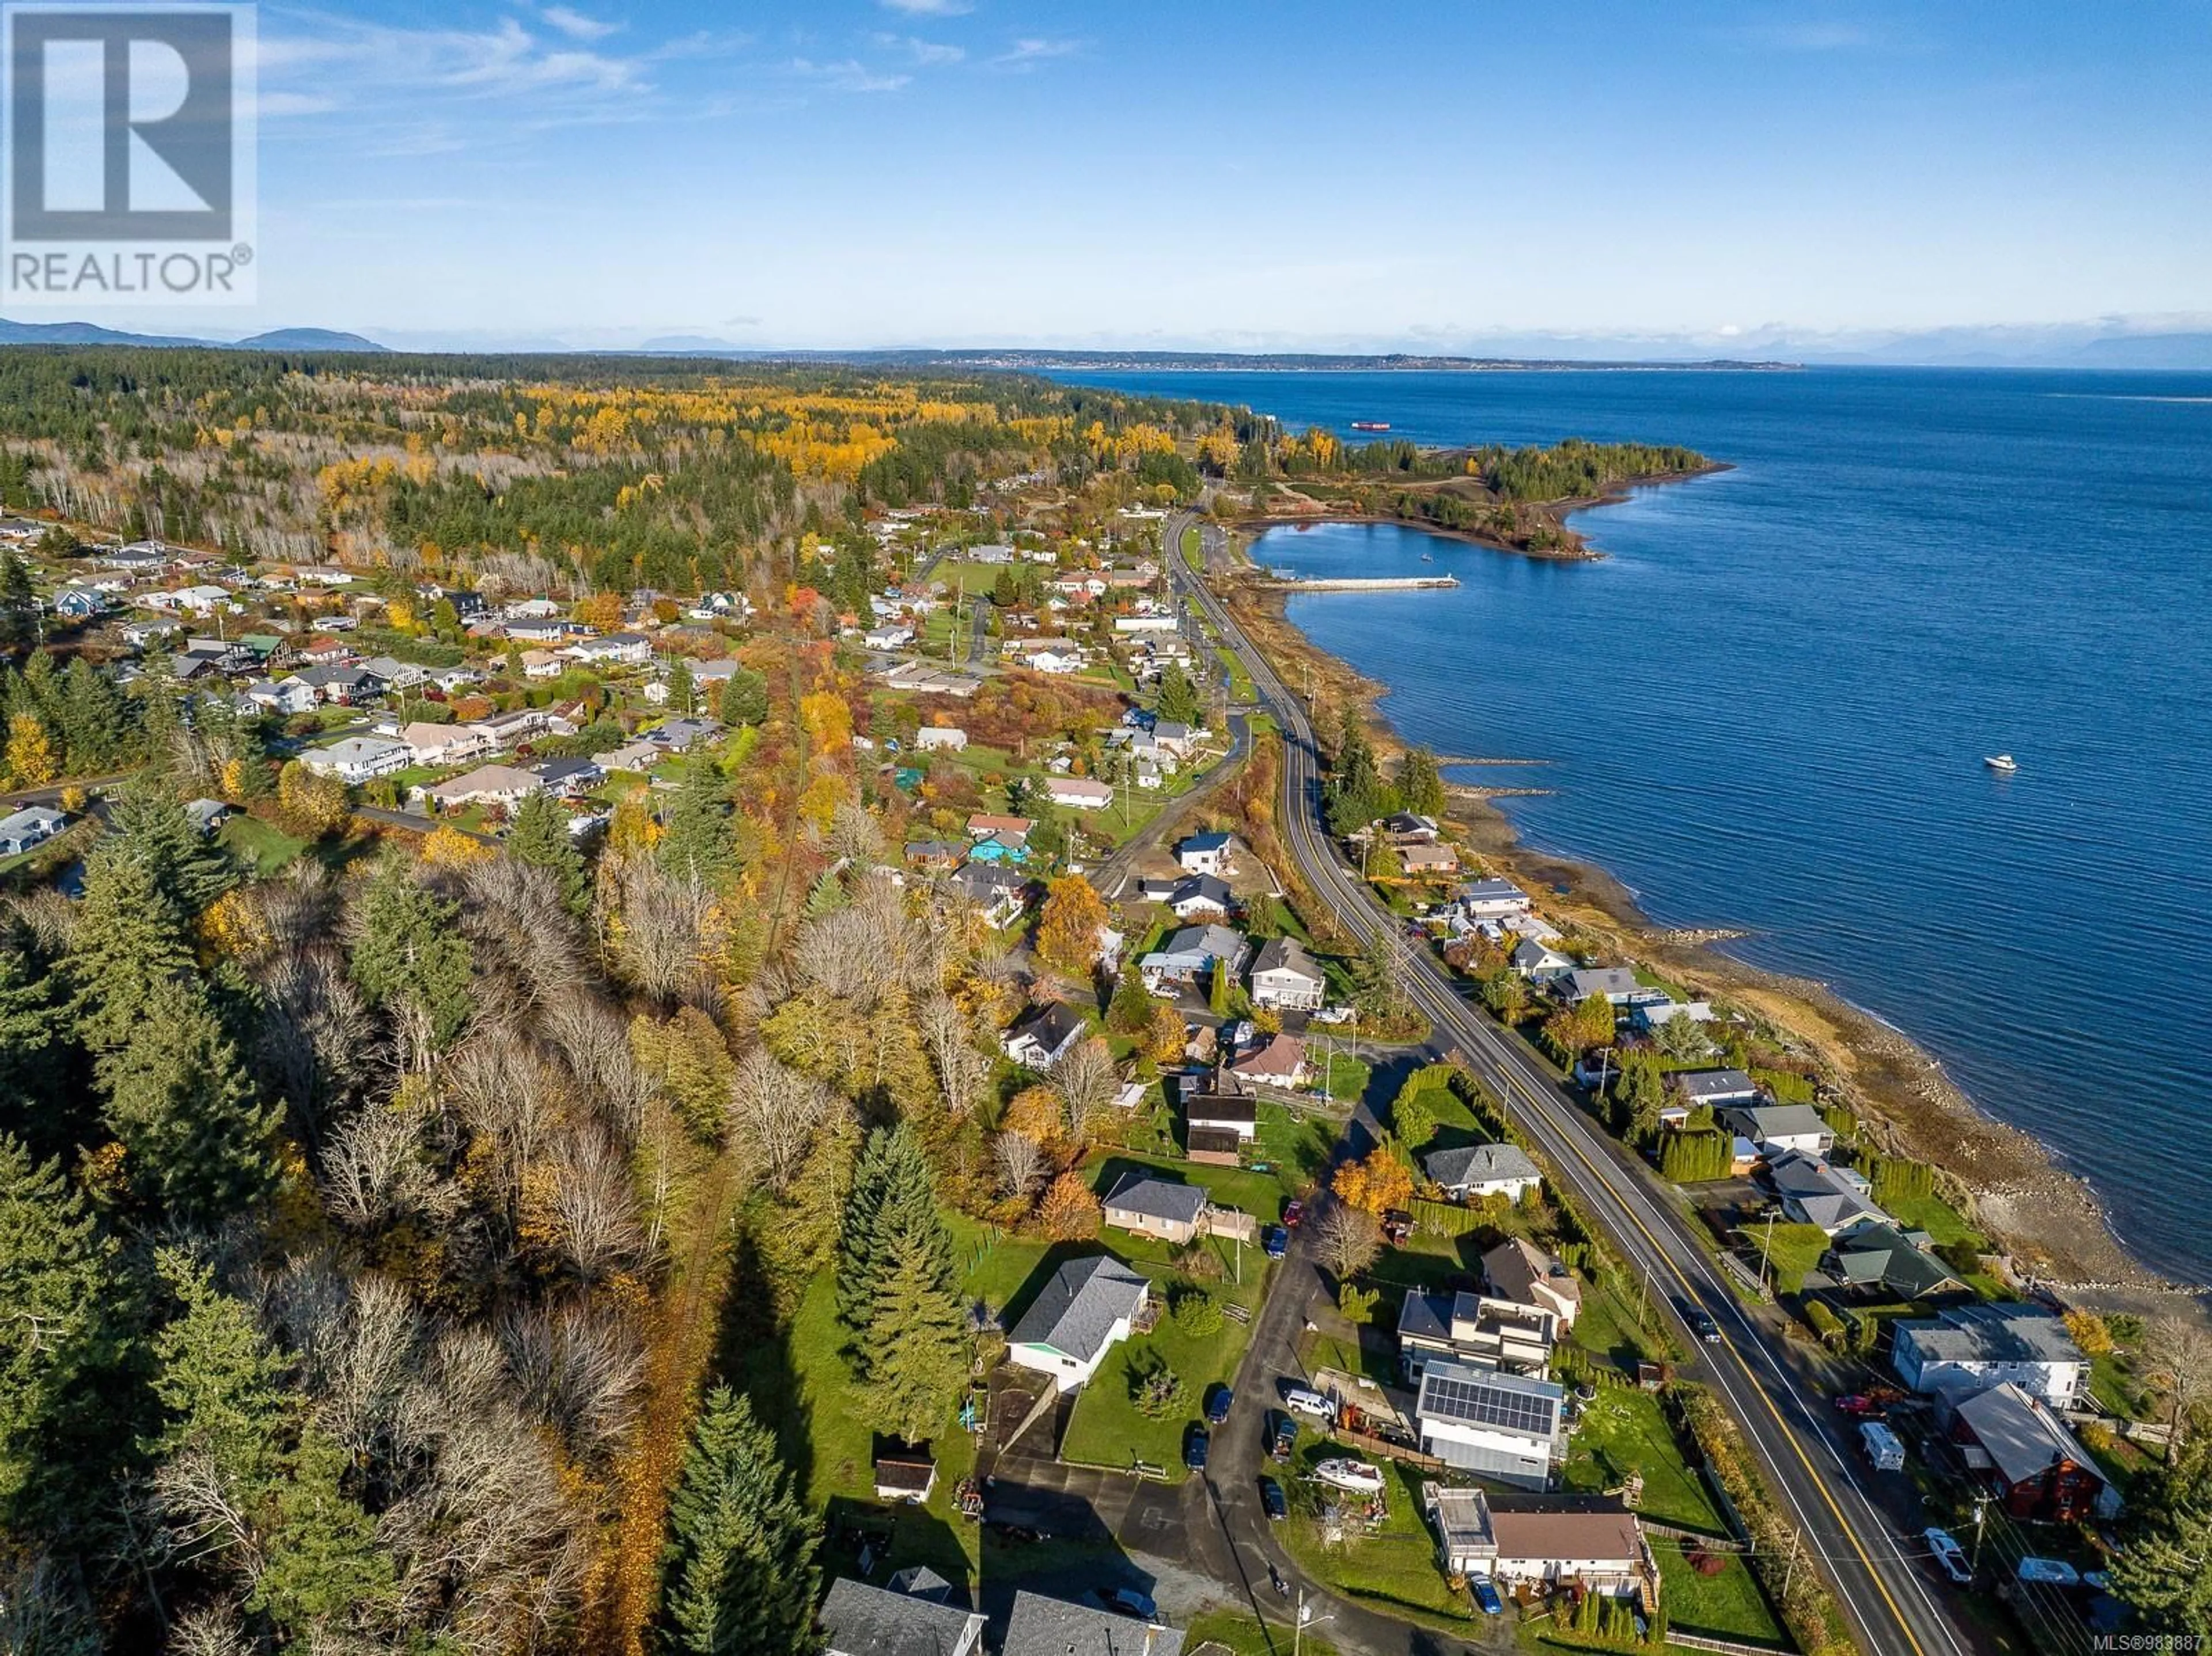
x=2046 y=1220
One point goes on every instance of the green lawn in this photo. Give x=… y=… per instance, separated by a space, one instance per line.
x=1938 y=1218
x=1790 y=1251
x=266 y=846
x=1393 y=1570
x=1348 y=1075
x=1605 y=1327
x=1729 y=1604
x=1243 y=1635
x=1295 y=1146
x=1624 y=1430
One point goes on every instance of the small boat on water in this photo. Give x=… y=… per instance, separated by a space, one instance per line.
x=2003 y=763
x=1428 y=557
x=1370 y=425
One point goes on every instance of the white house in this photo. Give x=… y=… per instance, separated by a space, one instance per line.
x=193 y=600
x=936 y=738
x=1191 y=953
x=1972 y=1346
x=1481 y=1331
x=617 y=649
x=1039 y=1039
x=1777 y=1128
x=487 y=785
x=1208 y=853
x=1491 y=900
x=32 y=826
x=1592 y=1542
x=1278 y=1061
x=1078 y=793
x=1285 y=977
x=1472 y=1172
x=1504 y=1427
x=1518 y=1270
x=1086 y=1309
x=442 y=744
x=357 y=758
x=1161 y=623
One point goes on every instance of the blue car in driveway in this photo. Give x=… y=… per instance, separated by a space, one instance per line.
x=1276 y=1241
x=1193 y=1449
x=1486 y=1599
x=1217 y=1406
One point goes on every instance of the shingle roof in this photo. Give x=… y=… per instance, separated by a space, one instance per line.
x=1049 y=1026
x=1053 y=1627
x=1765 y=1122
x=1285 y=955
x=1699 y=1084
x=1993 y=1333
x=1079 y=1307
x=1514 y=1266
x=1571 y=1529
x=866 y=1620
x=1156 y=1199
x=1473 y=1164
x=1873 y=1252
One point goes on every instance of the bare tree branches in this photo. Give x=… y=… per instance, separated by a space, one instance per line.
x=948 y=1036
x=773 y=1111
x=1346 y=1239
x=1084 y=1080
x=1021 y=1163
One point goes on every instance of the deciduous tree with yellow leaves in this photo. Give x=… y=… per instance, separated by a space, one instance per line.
x=32 y=760
x=1067 y=932
x=1377 y=1184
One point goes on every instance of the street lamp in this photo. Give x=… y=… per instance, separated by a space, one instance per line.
x=1306 y=1619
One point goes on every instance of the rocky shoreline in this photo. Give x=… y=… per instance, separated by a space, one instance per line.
x=2045 y=1219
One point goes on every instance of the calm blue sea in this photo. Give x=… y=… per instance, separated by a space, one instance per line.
x=1769 y=705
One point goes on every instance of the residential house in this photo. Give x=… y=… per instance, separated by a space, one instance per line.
x=1145 y=1206
x=682 y=735
x=1423 y=862
x=1088 y=1307
x=1650 y=1017
x=1970 y=1346
x=940 y=738
x=206 y=815
x=1539 y=1543
x=395 y=674
x=1042 y=1036
x=613 y=649
x=2039 y=1470
x=542 y=664
x=1176 y=738
x=997 y=553
x=1285 y=977
x=1518 y=1270
x=861 y=1620
x=487 y=785
x=983 y=826
x=1540 y=962
x=1039 y=1625
x=1816 y=1192
x=140 y=632
x=1504 y=1427
x=1155 y=622
x=528 y=631
x=895 y=635
x=569 y=777
x=638 y=756
x=1876 y=1258
x=1617 y=984
x=358 y=759
x=1078 y=793
x=340 y=686
x=1277 y=1061
x=1405 y=828
x=200 y=600
x=1777 y=1128
x=1717 y=1087
x=531 y=610
x=1208 y=853
x=79 y=603
x=1001 y=893
x=442 y=744
x=1234 y=1116
x=1491 y=900
x=1191 y=954
x=506 y=730
x=1476 y=1331
x=33 y=826
x=291 y=695
x=1195 y=896
x=1472 y=1172
x=935 y=856
x=139 y=557
x=324 y=651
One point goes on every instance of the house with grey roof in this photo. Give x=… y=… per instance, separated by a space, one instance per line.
x=1475 y=1331
x=1040 y=1039
x=1714 y=1087
x=1086 y=1309
x=2039 y=1468
x=1518 y=1270
x=1617 y=984
x=1777 y=1128
x=1816 y=1192
x=1970 y=1346
x=1193 y=952
x=1053 y=1627
x=1538 y=961
x=1490 y=899
x=869 y=1621
x=1287 y=977
x=1472 y=1172
x=1879 y=1260
x=1156 y=1207
x=32 y=826
x=1212 y=853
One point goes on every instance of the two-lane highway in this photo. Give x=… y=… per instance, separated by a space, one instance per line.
x=1877 y=1575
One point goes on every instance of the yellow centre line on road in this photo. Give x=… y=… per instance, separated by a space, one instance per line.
x=1302 y=835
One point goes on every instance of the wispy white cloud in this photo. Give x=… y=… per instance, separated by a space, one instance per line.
x=576 y=25
x=929 y=54
x=849 y=75
x=930 y=8
x=280 y=104
x=1028 y=53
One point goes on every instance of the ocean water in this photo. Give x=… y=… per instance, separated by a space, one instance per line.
x=1768 y=706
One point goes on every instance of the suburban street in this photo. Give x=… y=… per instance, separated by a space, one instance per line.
x=1879 y=1574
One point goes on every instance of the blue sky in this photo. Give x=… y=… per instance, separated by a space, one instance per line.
x=963 y=171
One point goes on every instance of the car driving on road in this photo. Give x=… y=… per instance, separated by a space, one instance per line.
x=1699 y=1319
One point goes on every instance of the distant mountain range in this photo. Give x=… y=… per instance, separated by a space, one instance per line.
x=2076 y=345
x=90 y=333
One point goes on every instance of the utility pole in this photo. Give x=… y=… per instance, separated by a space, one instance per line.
x=1981 y=1513
x=1766 y=1247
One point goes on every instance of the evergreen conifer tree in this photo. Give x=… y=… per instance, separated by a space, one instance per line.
x=739 y=1570
x=540 y=837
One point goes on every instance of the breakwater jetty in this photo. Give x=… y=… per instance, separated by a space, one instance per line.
x=1351 y=584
